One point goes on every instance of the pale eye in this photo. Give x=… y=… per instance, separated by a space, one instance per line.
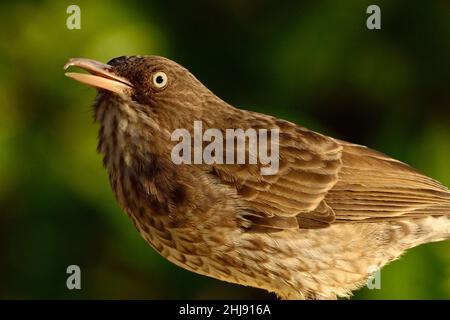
x=160 y=79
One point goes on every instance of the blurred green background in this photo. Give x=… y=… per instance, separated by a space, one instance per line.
x=314 y=63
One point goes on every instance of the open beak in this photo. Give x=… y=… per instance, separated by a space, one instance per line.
x=101 y=75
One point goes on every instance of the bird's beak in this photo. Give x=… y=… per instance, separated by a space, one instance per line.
x=101 y=75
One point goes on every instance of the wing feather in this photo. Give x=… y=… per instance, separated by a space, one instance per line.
x=294 y=197
x=373 y=186
x=322 y=181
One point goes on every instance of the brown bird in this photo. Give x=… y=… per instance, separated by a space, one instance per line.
x=332 y=214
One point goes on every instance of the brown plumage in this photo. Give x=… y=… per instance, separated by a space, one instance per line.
x=316 y=229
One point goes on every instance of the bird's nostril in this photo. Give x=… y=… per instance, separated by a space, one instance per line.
x=117 y=61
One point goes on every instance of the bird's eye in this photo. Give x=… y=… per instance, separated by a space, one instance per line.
x=160 y=79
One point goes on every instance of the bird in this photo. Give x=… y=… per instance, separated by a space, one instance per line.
x=316 y=229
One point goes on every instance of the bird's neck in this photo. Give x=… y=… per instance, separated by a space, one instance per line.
x=133 y=151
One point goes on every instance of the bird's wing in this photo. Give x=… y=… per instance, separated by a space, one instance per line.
x=322 y=180
x=373 y=186
x=294 y=197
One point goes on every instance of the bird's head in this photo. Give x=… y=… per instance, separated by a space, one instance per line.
x=150 y=87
